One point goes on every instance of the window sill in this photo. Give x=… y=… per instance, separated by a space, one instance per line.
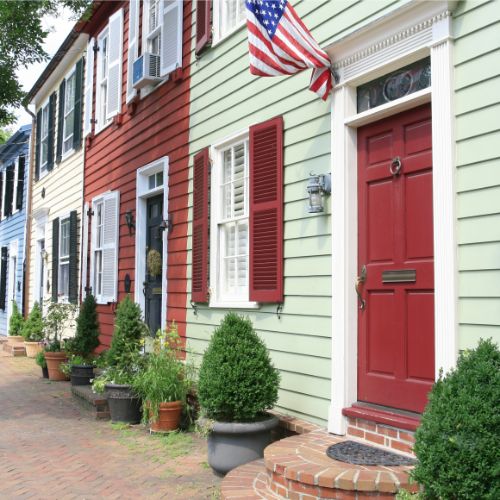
x=221 y=304
x=66 y=155
x=110 y=122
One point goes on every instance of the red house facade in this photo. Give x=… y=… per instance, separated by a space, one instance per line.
x=136 y=125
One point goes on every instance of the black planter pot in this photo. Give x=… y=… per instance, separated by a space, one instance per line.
x=81 y=374
x=45 y=372
x=124 y=406
x=231 y=444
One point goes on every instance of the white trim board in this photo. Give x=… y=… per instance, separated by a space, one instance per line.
x=417 y=30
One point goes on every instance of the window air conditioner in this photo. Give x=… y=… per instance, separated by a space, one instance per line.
x=146 y=70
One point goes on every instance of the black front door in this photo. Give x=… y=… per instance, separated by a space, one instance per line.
x=154 y=263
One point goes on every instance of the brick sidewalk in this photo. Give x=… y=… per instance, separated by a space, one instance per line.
x=50 y=448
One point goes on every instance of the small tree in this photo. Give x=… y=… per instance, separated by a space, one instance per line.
x=16 y=321
x=237 y=381
x=33 y=328
x=458 y=441
x=86 y=338
x=59 y=316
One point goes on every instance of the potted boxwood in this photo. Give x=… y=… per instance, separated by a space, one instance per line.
x=15 y=325
x=163 y=384
x=123 y=362
x=237 y=384
x=80 y=365
x=42 y=363
x=32 y=331
x=59 y=316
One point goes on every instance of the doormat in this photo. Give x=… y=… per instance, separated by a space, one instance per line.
x=362 y=454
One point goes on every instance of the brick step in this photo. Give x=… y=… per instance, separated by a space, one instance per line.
x=96 y=403
x=298 y=468
x=14 y=349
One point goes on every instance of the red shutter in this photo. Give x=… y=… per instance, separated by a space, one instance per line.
x=199 y=278
x=266 y=211
x=203 y=25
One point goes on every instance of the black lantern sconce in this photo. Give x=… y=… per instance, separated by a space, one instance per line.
x=129 y=220
x=317 y=187
x=167 y=224
x=127 y=283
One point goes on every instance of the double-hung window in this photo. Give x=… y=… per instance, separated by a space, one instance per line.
x=63 y=271
x=44 y=139
x=153 y=36
x=102 y=78
x=229 y=15
x=69 y=113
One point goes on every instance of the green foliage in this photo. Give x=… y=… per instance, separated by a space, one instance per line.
x=237 y=381
x=74 y=359
x=33 y=328
x=458 y=441
x=59 y=316
x=86 y=338
x=40 y=359
x=21 y=44
x=16 y=321
x=164 y=378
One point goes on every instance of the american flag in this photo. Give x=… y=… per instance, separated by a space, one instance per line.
x=280 y=44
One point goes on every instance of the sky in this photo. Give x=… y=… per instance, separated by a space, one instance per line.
x=59 y=27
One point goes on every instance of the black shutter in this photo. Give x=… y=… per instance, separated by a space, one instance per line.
x=37 y=147
x=60 y=122
x=73 y=258
x=52 y=125
x=55 y=257
x=77 y=130
x=20 y=182
x=9 y=190
x=1 y=191
x=3 y=278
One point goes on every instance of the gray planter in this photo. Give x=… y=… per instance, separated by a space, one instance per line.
x=124 y=405
x=231 y=444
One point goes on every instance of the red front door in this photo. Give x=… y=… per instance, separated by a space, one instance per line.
x=396 y=326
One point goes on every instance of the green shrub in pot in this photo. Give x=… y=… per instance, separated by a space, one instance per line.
x=16 y=321
x=33 y=327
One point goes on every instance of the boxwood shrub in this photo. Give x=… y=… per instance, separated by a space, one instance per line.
x=458 y=441
x=237 y=381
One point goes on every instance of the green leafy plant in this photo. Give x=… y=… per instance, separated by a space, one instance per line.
x=458 y=441
x=16 y=321
x=86 y=338
x=33 y=328
x=164 y=378
x=237 y=381
x=75 y=359
x=60 y=316
x=40 y=359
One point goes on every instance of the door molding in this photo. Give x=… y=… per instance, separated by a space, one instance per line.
x=142 y=194
x=412 y=32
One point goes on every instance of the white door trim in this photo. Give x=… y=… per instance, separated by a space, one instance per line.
x=142 y=194
x=11 y=278
x=418 y=30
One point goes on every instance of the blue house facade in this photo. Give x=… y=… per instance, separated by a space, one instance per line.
x=14 y=175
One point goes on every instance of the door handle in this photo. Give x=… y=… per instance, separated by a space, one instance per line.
x=144 y=287
x=359 y=281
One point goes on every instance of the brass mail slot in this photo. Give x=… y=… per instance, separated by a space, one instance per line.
x=399 y=276
x=156 y=291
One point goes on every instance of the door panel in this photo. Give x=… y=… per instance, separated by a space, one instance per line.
x=396 y=328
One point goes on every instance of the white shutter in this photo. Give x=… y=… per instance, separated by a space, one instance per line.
x=111 y=236
x=115 y=51
x=133 y=30
x=171 y=37
x=89 y=80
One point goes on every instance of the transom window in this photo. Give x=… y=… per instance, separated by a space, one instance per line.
x=69 y=113
x=155 y=180
x=44 y=139
x=232 y=222
x=63 y=275
x=231 y=14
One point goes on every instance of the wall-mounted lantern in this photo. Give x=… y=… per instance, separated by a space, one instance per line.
x=129 y=220
x=167 y=224
x=317 y=187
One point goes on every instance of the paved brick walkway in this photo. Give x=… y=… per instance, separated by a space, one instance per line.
x=51 y=448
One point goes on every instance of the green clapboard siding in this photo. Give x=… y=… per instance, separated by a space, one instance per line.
x=476 y=27
x=226 y=99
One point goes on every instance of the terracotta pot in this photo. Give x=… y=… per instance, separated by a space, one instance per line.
x=15 y=339
x=169 y=417
x=33 y=348
x=54 y=361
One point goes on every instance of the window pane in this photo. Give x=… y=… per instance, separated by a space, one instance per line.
x=63 y=285
x=239 y=180
x=151 y=182
x=64 y=239
x=159 y=179
x=232 y=13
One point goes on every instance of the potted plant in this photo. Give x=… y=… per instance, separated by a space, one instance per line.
x=123 y=362
x=163 y=384
x=15 y=325
x=237 y=384
x=42 y=363
x=80 y=365
x=32 y=331
x=58 y=318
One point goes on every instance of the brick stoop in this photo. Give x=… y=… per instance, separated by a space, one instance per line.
x=14 y=348
x=299 y=469
x=96 y=403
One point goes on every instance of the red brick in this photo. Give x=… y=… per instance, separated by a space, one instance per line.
x=280 y=490
x=369 y=426
x=407 y=436
x=303 y=488
x=398 y=445
x=278 y=478
x=366 y=481
x=386 y=483
x=387 y=431
x=374 y=438
x=345 y=481
x=353 y=431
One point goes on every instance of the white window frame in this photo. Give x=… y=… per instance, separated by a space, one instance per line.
x=143 y=192
x=45 y=108
x=102 y=80
x=217 y=297
x=14 y=194
x=41 y=219
x=407 y=35
x=70 y=150
x=63 y=260
x=220 y=33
